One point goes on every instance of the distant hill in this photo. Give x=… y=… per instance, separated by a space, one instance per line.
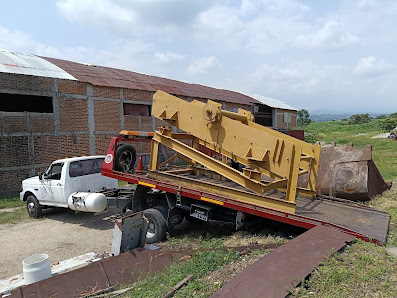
x=320 y=115
x=325 y=112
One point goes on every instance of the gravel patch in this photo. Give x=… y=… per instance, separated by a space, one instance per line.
x=61 y=234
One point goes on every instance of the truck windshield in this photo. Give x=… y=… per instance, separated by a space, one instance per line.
x=85 y=167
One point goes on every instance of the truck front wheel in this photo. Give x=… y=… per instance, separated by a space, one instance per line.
x=33 y=207
x=157 y=227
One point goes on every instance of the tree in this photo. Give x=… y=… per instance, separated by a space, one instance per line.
x=388 y=124
x=303 y=118
x=359 y=119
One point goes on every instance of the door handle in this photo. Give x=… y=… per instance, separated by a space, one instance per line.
x=59 y=184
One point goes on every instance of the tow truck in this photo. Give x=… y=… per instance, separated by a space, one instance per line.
x=235 y=169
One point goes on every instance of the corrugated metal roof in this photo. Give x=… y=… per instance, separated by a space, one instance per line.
x=111 y=77
x=19 y=63
x=271 y=102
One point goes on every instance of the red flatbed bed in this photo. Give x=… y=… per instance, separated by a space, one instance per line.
x=359 y=220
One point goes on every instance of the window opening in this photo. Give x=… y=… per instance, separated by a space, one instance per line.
x=25 y=103
x=136 y=109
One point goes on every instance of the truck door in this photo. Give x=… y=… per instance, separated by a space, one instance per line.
x=52 y=186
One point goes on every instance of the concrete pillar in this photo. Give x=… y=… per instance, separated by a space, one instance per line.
x=140 y=129
x=122 y=108
x=31 y=145
x=274 y=118
x=55 y=107
x=91 y=119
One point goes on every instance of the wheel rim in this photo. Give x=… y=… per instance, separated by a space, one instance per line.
x=151 y=230
x=125 y=160
x=31 y=208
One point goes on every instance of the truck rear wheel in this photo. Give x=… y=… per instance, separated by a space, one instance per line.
x=157 y=227
x=125 y=158
x=33 y=207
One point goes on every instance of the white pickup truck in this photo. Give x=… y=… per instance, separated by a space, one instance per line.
x=70 y=183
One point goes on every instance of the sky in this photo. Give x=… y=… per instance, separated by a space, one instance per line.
x=339 y=55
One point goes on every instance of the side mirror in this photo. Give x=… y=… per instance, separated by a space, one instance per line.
x=40 y=176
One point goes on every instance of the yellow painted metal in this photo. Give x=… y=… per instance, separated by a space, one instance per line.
x=211 y=163
x=235 y=135
x=212 y=201
x=240 y=195
x=147 y=184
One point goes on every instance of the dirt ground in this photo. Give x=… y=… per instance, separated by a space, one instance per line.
x=61 y=234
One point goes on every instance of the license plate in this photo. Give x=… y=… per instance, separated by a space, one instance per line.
x=199 y=212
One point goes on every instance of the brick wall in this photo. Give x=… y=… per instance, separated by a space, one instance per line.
x=13 y=123
x=107 y=92
x=72 y=87
x=137 y=95
x=11 y=182
x=73 y=114
x=107 y=115
x=131 y=122
x=24 y=82
x=14 y=151
x=280 y=118
x=41 y=123
x=102 y=143
x=48 y=148
x=146 y=123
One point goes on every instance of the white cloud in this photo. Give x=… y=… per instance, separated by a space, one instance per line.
x=168 y=57
x=202 y=65
x=330 y=36
x=301 y=76
x=371 y=66
x=364 y=4
x=133 y=18
x=17 y=41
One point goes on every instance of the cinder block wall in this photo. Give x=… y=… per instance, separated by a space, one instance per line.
x=84 y=119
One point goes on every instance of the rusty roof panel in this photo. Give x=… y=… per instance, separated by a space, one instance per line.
x=278 y=272
x=111 y=77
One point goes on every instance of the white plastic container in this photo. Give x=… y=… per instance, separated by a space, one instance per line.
x=36 y=268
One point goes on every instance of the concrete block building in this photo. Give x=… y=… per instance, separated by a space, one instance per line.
x=52 y=108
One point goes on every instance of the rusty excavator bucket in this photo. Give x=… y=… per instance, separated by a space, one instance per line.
x=348 y=173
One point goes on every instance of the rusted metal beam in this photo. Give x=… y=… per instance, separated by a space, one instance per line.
x=127 y=266
x=278 y=272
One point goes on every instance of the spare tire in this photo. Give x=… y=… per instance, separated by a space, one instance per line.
x=125 y=158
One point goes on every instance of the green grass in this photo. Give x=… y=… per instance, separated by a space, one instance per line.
x=200 y=265
x=12 y=210
x=361 y=270
x=384 y=151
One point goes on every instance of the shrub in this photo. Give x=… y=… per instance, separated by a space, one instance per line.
x=359 y=119
x=388 y=124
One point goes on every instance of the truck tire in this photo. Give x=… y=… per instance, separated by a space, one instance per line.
x=125 y=158
x=33 y=207
x=157 y=227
